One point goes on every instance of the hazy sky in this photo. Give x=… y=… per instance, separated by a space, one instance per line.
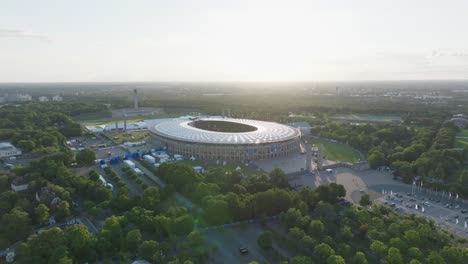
x=232 y=40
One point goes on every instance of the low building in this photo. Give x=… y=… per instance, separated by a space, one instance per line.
x=303 y=126
x=47 y=197
x=57 y=98
x=124 y=126
x=460 y=121
x=95 y=129
x=20 y=183
x=11 y=98
x=8 y=150
x=43 y=99
x=198 y=169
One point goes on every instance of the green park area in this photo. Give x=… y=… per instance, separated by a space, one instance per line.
x=337 y=151
x=367 y=117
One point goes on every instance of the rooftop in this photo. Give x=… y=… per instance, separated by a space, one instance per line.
x=264 y=132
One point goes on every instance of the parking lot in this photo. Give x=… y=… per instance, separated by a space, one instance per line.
x=381 y=187
x=228 y=240
x=449 y=213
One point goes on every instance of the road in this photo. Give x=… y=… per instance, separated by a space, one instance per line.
x=133 y=187
x=227 y=242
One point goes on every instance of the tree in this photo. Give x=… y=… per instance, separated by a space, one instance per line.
x=81 y=243
x=334 y=259
x=365 y=200
x=301 y=260
x=454 y=255
x=265 y=240
x=16 y=225
x=414 y=253
x=376 y=158
x=323 y=251
x=63 y=211
x=151 y=198
x=182 y=225
x=360 y=258
x=394 y=256
x=42 y=213
x=379 y=248
x=26 y=145
x=316 y=228
x=133 y=239
x=111 y=235
x=278 y=178
x=195 y=246
x=4 y=183
x=216 y=210
x=46 y=247
x=85 y=157
x=148 y=249
x=435 y=258
x=94 y=176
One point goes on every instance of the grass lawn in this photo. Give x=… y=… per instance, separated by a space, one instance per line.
x=132 y=136
x=337 y=151
x=111 y=120
x=367 y=117
x=463 y=133
x=93 y=116
x=461 y=143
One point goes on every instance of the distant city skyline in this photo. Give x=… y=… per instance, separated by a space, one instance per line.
x=220 y=40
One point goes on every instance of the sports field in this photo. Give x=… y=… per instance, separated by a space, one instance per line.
x=463 y=133
x=367 y=117
x=461 y=143
x=337 y=151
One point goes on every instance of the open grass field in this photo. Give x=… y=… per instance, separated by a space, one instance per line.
x=110 y=120
x=337 y=151
x=367 y=117
x=461 y=143
x=93 y=116
x=463 y=133
x=131 y=136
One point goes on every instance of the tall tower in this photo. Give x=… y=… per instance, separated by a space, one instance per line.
x=320 y=157
x=308 y=148
x=135 y=99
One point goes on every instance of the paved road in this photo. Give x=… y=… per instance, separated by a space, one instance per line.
x=133 y=187
x=228 y=241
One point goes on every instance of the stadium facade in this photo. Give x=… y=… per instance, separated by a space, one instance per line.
x=216 y=138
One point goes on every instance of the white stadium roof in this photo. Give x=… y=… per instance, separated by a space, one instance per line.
x=266 y=132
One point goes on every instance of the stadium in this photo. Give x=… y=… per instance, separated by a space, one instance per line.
x=226 y=139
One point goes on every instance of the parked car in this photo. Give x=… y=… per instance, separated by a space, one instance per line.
x=243 y=250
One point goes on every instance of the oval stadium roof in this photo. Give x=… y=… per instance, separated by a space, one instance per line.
x=267 y=132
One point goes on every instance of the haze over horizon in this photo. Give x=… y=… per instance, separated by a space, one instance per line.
x=128 y=41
